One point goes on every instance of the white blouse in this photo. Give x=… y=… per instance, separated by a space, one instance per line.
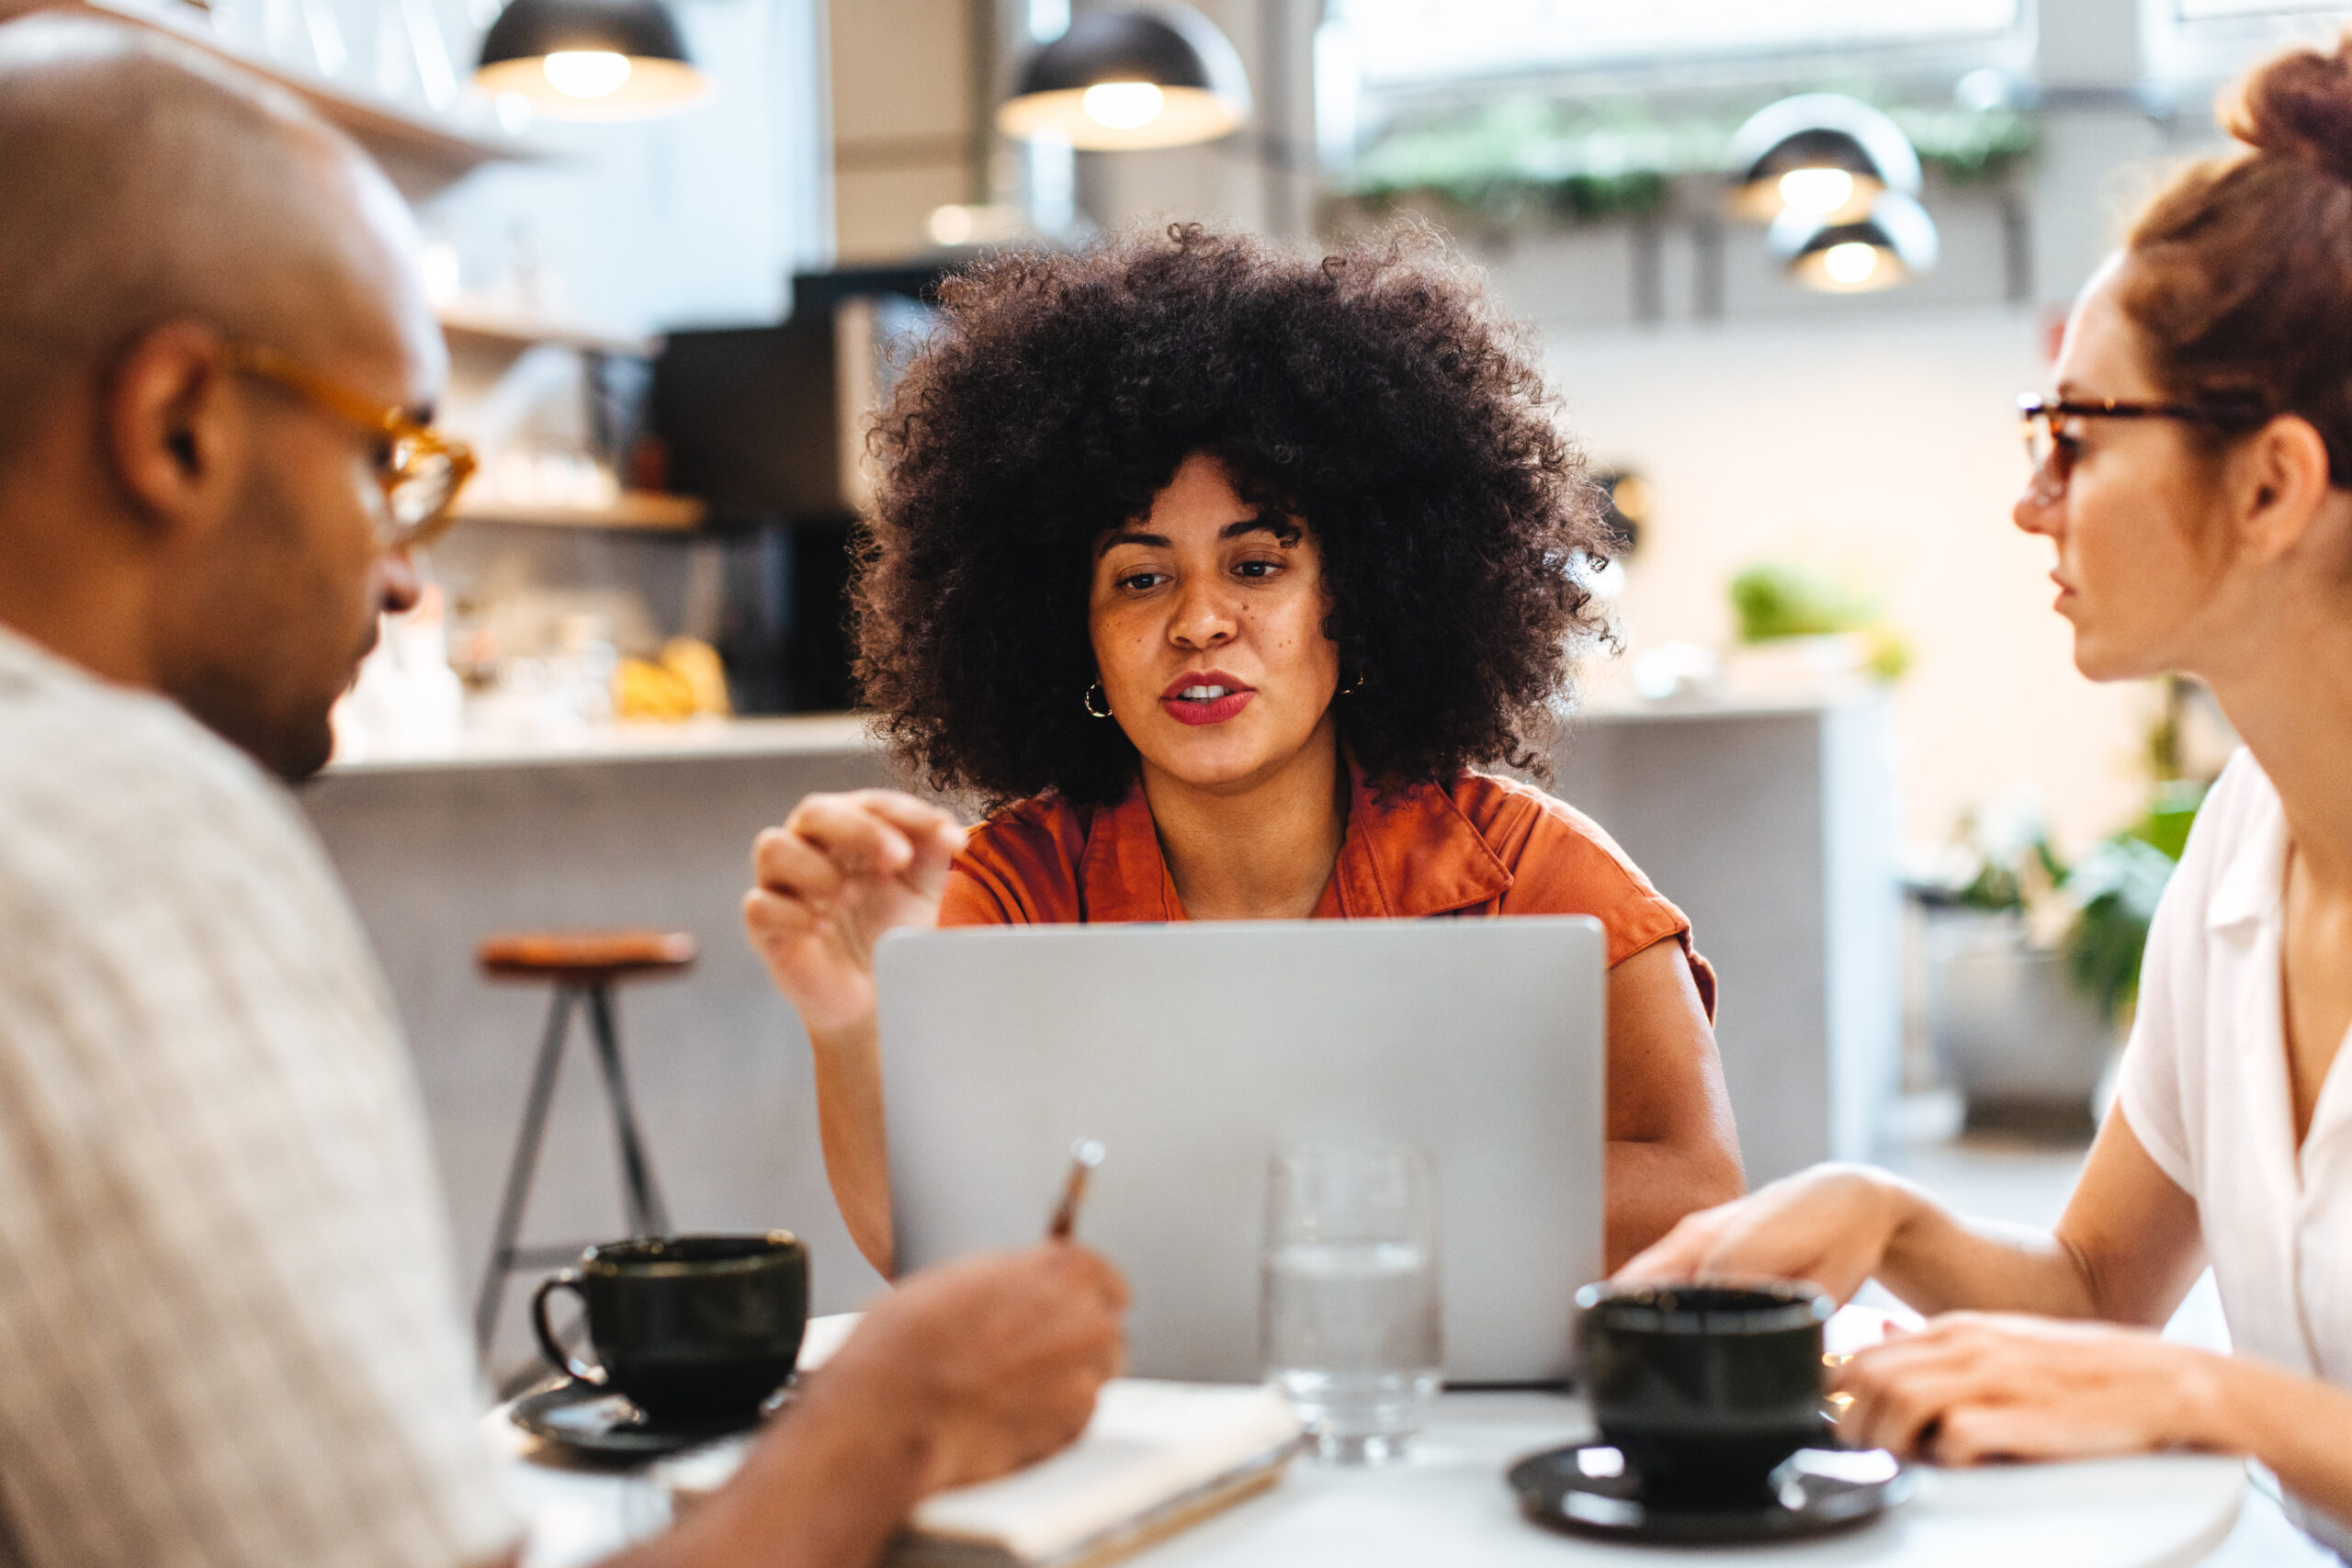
x=2204 y=1086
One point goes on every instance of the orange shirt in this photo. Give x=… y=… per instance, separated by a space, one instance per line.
x=1480 y=846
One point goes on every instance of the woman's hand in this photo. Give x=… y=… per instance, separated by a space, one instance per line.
x=842 y=870
x=1830 y=1226
x=1976 y=1386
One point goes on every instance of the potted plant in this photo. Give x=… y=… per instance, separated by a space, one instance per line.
x=2025 y=1028
x=2114 y=891
x=1795 y=624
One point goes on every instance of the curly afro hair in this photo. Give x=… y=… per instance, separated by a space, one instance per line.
x=1376 y=395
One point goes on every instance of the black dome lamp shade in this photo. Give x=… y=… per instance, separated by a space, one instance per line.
x=589 y=59
x=1895 y=242
x=1824 y=154
x=1123 y=79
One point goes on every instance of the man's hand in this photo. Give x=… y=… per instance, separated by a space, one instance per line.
x=1829 y=1226
x=960 y=1374
x=992 y=1362
x=842 y=870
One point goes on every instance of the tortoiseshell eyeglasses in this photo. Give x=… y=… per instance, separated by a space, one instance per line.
x=420 y=469
x=2051 y=449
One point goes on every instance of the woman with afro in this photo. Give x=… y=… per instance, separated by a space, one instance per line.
x=1214 y=574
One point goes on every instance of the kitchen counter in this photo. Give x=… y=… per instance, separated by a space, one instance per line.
x=798 y=735
x=815 y=734
x=1772 y=824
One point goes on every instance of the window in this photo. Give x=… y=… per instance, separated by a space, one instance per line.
x=2209 y=10
x=1401 y=42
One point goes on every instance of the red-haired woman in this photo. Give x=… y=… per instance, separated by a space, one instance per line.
x=2196 y=476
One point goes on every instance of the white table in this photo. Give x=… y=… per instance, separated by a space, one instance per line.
x=1448 y=1507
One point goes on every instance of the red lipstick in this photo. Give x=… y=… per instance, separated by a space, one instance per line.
x=1214 y=697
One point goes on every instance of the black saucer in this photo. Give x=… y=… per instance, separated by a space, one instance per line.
x=1586 y=1489
x=596 y=1420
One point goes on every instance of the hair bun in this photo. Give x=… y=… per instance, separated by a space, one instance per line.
x=2301 y=105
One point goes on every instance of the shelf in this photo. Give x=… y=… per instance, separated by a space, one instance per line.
x=514 y=330
x=636 y=509
x=421 y=155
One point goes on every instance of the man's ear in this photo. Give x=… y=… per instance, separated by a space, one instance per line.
x=174 y=426
x=2281 y=486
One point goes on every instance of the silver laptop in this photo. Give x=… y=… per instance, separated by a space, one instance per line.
x=1194 y=1051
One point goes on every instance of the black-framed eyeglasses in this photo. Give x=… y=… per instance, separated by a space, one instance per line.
x=2052 y=451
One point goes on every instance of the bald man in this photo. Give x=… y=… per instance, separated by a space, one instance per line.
x=229 y=1328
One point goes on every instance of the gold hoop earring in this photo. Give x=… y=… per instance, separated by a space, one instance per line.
x=1088 y=700
x=1350 y=691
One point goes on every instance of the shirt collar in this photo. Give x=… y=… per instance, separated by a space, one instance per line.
x=1408 y=855
x=23 y=660
x=1122 y=874
x=2254 y=881
x=31 y=668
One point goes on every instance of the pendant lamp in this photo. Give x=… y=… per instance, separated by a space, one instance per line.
x=1123 y=79
x=591 y=60
x=1824 y=154
x=1893 y=242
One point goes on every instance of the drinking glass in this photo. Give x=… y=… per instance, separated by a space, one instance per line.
x=1348 y=1311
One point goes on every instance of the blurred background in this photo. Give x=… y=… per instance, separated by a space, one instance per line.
x=1581 y=150
x=1788 y=267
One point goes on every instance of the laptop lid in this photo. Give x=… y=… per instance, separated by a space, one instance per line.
x=1193 y=1051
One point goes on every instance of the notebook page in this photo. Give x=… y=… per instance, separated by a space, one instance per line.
x=1149 y=1442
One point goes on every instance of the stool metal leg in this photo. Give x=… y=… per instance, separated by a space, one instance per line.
x=519 y=1169
x=648 y=1214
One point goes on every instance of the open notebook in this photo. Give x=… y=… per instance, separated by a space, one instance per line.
x=1156 y=1457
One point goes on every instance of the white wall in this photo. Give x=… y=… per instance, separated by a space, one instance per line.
x=905 y=82
x=1883 y=446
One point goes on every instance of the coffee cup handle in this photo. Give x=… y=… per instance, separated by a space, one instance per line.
x=549 y=1347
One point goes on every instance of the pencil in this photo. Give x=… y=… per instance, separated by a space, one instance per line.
x=1084 y=1156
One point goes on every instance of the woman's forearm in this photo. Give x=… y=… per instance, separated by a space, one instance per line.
x=1938 y=1262
x=2126 y=1250
x=851 y=1126
x=2294 y=1425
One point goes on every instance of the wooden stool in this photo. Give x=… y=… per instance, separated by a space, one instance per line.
x=584 y=964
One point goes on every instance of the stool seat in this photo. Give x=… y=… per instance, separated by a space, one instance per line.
x=581 y=956
x=584 y=967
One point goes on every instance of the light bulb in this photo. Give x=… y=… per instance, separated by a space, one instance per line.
x=442 y=272
x=951 y=225
x=1122 y=105
x=586 y=73
x=1850 y=263
x=1818 y=191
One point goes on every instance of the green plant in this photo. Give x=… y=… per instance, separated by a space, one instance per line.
x=1968 y=146
x=1999 y=860
x=1517 y=161
x=1890 y=651
x=2115 y=891
x=1775 y=600
x=2004 y=885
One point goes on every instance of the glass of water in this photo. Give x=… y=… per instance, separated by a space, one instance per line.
x=1348 y=1313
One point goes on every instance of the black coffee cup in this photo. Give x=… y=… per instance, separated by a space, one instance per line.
x=1705 y=1386
x=691 y=1327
